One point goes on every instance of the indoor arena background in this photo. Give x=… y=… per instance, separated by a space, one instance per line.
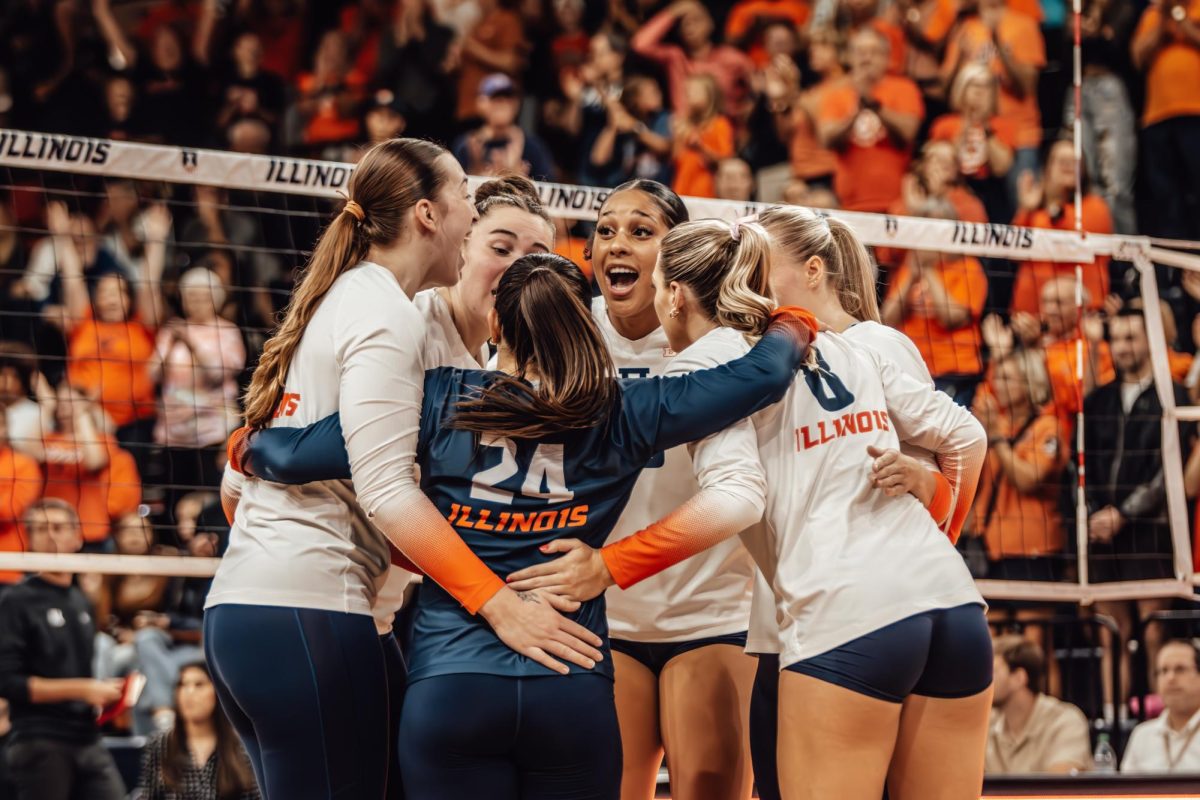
x=146 y=139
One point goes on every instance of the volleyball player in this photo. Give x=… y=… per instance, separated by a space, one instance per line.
x=511 y=223
x=884 y=646
x=288 y=627
x=821 y=264
x=514 y=467
x=683 y=681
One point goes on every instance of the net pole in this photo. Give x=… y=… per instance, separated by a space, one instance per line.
x=1081 y=516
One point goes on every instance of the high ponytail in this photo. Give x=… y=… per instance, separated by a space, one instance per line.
x=390 y=179
x=542 y=303
x=728 y=269
x=849 y=268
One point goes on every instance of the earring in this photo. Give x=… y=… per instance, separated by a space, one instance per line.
x=673 y=313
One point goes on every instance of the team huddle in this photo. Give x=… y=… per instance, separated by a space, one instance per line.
x=708 y=513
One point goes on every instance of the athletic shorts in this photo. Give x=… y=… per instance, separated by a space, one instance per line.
x=943 y=653
x=655 y=655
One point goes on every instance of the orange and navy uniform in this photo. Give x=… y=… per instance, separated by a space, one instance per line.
x=508 y=497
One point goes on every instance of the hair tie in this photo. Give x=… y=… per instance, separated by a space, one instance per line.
x=354 y=210
x=735 y=228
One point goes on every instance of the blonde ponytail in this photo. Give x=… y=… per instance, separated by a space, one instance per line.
x=390 y=179
x=849 y=268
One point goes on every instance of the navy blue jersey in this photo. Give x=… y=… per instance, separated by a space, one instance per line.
x=507 y=497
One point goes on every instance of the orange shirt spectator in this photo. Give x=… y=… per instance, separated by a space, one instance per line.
x=330 y=95
x=85 y=467
x=496 y=44
x=1021 y=521
x=897 y=45
x=937 y=301
x=701 y=140
x=972 y=148
x=20 y=485
x=1032 y=275
x=1021 y=42
x=927 y=25
x=747 y=14
x=870 y=163
x=1061 y=369
x=1172 y=88
x=110 y=361
x=808 y=156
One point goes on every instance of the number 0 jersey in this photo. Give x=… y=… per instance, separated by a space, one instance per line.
x=845 y=559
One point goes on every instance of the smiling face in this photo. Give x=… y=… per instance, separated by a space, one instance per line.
x=499 y=238
x=457 y=215
x=629 y=231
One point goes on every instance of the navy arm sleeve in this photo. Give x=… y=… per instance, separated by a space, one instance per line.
x=661 y=413
x=315 y=452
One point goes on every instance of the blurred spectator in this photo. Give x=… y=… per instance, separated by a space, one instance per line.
x=1010 y=45
x=46 y=643
x=496 y=43
x=702 y=136
x=500 y=145
x=983 y=140
x=327 y=105
x=933 y=177
x=363 y=23
x=85 y=467
x=1129 y=536
x=937 y=300
x=582 y=111
x=198 y=358
x=384 y=119
x=796 y=111
x=122 y=118
x=217 y=224
x=1016 y=508
x=635 y=141
x=859 y=15
x=110 y=341
x=926 y=25
x=748 y=21
x=250 y=92
x=870 y=121
x=1050 y=203
x=570 y=45
x=21 y=385
x=1054 y=332
x=734 y=180
x=40 y=282
x=417 y=59
x=279 y=25
x=1032 y=732
x=119 y=222
x=1109 y=126
x=1166 y=47
x=200 y=757
x=20 y=486
x=695 y=54
x=1169 y=742
x=171 y=85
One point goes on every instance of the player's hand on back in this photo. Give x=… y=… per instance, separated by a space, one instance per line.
x=579 y=575
x=528 y=624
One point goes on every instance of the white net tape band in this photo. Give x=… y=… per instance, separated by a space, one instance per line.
x=24 y=149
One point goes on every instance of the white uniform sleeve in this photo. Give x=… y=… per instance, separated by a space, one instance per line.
x=931 y=420
x=726 y=464
x=378 y=349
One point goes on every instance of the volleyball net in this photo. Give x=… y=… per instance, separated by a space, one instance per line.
x=120 y=392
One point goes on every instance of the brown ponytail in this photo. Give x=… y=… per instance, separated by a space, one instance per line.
x=848 y=266
x=730 y=277
x=542 y=305
x=390 y=179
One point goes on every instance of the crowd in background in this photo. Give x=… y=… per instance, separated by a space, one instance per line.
x=131 y=312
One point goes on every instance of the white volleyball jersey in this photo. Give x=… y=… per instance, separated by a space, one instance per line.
x=891 y=345
x=706 y=595
x=444 y=347
x=845 y=559
x=311 y=545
